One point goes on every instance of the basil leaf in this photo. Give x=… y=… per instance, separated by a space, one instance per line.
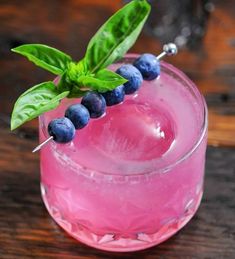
x=116 y=36
x=103 y=81
x=35 y=101
x=46 y=57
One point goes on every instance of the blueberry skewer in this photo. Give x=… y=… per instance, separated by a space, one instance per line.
x=93 y=105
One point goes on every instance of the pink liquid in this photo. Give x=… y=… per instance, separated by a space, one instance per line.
x=134 y=177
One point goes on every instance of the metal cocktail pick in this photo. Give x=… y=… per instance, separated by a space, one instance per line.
x=169 y=49
x=42 y=144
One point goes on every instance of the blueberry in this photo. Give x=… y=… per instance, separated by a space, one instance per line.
x=115 y=96
x=148 y=65
x=78 y=114
x=95 y=104
x=134 y=77
x=61 y=129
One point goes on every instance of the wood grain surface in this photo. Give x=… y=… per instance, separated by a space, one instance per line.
x=26 y=229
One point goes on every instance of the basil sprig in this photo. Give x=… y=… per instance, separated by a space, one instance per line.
x=110 y=43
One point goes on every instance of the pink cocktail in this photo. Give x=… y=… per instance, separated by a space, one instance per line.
x=134 y=177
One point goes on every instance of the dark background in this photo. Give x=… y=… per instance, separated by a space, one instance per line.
x=205 y=32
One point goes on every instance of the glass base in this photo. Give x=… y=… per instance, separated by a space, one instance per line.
x=117 y=242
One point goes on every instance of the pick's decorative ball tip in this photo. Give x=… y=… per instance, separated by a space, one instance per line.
x=170 y=49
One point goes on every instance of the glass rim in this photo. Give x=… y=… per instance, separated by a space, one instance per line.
x=183 y=157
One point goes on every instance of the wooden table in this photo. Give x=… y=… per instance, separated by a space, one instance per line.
x=26 y=229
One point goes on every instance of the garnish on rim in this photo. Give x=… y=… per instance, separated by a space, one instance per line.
x=109 y=44
x=93 y=104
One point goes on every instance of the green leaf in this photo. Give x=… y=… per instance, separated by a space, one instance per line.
x=103 y=81
x=116 y=36
x=74 y=71
x=35 y=101
x=46 y=57
x=69 y=78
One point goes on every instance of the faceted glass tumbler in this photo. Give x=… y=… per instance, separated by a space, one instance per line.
x=122 y=210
